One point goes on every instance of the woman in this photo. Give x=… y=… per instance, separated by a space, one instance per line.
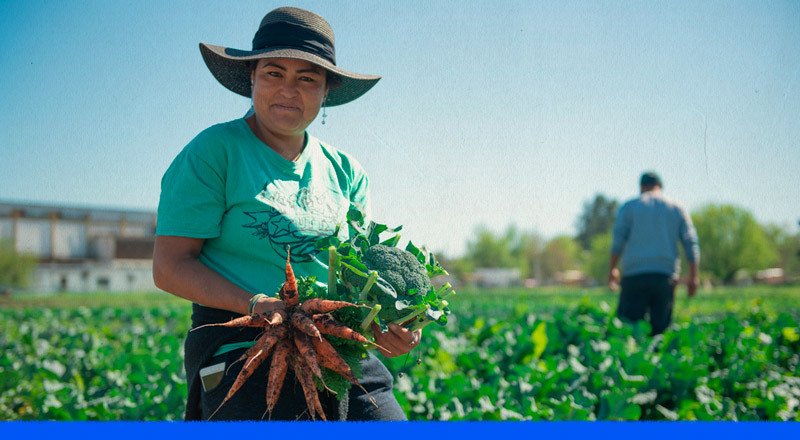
x=243 y=192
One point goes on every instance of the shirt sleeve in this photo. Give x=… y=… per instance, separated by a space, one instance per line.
x=192 y=199
x=622 y=229
x=688 y=237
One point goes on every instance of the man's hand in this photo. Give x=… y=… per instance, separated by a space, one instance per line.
x=613 y=272
x=691 y=285
x=694 y=279
x=613 y=279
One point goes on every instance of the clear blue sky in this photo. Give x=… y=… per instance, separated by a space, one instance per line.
x=489 y=112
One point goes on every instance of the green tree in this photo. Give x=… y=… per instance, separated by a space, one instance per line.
x=559 y=254
x=599 y=257
x=15 y=269
x=731 y=240
x=597 y=218
x=787 y=245
x=458 y=268
x=527 y=251
x=489 y=250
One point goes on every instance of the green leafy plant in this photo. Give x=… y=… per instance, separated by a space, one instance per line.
x=396 y=283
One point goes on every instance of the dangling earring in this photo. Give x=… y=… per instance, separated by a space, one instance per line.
x=324 y=114
x=252 y=101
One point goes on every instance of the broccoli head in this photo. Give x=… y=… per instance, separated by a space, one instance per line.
x=397 y=267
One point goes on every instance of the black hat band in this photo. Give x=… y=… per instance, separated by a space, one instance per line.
x=288 y=35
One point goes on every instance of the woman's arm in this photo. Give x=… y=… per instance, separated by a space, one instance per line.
x=177 y=270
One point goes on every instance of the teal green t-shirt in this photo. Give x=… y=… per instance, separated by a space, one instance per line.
x=251 y=205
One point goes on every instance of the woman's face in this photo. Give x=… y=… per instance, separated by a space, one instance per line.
x=287 y=94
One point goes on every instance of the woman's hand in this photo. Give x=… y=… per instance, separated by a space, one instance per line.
x=397 y=341
x=268 y=304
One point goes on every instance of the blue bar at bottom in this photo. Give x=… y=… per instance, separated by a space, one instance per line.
x=400 y=430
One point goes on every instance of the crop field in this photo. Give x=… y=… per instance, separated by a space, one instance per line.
x=545 y=354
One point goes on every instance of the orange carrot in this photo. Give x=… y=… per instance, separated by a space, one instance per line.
x=330 y=359
x=318 y=305
x=259 y=320
x=309 y=390
x=328 y=325
x=277 y=372
x=288 y=292
x=247 y=370
x=305 y=324
x=266 y=342
x=306 y=349
x=276 y=317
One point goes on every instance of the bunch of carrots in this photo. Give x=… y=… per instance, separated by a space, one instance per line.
x=294 y=337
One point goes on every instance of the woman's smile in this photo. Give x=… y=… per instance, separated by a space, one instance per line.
x=286 y=107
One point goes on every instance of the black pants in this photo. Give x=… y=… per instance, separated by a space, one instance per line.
x=652 y=293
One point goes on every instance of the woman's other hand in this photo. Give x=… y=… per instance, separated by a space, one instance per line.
x=397 y=341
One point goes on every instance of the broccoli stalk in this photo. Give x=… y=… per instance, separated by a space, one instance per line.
x=371 y=317
x=411 y=315
x=420 y=325
x=332 y=269
x=423 y=321
x=445 y=291
x=373 y=277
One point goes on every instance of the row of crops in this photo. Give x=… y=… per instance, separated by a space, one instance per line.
x=584 y=364
x=503 y=356
x=92 y=364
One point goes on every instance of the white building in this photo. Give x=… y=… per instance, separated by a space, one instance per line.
x=497 y=277
x=82 y=249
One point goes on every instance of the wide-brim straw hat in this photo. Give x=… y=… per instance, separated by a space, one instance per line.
x=287 y=33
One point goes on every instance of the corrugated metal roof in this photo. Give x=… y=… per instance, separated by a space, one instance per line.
x=41 y=210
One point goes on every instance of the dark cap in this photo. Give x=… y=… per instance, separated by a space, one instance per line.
x=650 y=178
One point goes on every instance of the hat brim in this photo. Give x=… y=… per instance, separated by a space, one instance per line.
x=229 y=67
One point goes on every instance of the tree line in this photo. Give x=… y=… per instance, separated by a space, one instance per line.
x=732 y=245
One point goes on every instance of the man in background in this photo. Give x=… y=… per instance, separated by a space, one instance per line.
x=646 y=235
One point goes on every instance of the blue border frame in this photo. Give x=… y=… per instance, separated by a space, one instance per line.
x=486 y=430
